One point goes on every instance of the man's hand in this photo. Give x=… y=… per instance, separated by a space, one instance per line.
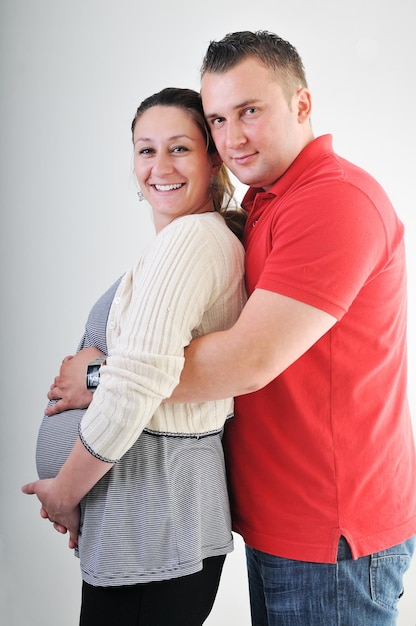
x=64 y=519
x=69 y=388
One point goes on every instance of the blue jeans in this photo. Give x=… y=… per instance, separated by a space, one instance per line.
x=350 y=592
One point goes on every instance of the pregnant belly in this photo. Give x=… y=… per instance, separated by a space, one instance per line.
x=56 y=437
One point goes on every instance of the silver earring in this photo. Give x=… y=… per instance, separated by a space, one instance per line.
x=140 y=196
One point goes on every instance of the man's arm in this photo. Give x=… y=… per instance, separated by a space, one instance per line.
x=270 y=334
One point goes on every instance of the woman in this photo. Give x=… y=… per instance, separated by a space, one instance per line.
x=155 y=528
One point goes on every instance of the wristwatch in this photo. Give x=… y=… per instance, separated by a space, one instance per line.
x=93 y=373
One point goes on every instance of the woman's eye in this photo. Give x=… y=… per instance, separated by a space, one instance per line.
x=179 y=149
x=145 y=151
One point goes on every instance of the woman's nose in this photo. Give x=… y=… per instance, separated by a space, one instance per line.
x=162 y=164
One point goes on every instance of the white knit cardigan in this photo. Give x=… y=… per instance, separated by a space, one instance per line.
x=190 y=282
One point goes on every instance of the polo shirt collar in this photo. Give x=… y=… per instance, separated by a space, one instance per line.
x=306 y=157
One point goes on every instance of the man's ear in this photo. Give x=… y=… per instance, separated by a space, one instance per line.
x=304 y=104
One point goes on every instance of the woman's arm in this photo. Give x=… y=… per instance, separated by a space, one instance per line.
x=160 y=305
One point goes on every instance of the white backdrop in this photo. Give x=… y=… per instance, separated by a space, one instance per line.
x=72 y=74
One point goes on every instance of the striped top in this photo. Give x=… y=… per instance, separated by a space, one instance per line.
x=163 y=507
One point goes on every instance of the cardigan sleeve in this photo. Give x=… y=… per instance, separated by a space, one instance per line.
x=157 y=307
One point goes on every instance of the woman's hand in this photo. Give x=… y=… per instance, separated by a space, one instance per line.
x=60 y=496
x=64 y=519
x=69 y=388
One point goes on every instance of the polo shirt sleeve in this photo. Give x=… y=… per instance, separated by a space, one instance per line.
x=328 y=250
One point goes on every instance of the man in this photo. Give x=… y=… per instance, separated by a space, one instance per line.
x=321 y=461
x=320 y=455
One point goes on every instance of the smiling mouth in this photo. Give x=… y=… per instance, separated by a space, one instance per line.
x=168 y=187
x=244 y=158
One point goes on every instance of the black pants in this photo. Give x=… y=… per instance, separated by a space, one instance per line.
x=184 y=601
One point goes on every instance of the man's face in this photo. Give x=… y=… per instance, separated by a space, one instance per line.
x=258 y=133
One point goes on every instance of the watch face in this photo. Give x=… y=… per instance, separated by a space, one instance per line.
x=93 y=376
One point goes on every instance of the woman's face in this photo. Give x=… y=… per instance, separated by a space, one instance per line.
x=172 y=165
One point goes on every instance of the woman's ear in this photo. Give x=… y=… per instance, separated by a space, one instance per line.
x=216 y=163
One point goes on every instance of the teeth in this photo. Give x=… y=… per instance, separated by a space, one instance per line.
x=168 y=187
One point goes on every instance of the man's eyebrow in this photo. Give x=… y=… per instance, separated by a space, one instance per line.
x=236 y=107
